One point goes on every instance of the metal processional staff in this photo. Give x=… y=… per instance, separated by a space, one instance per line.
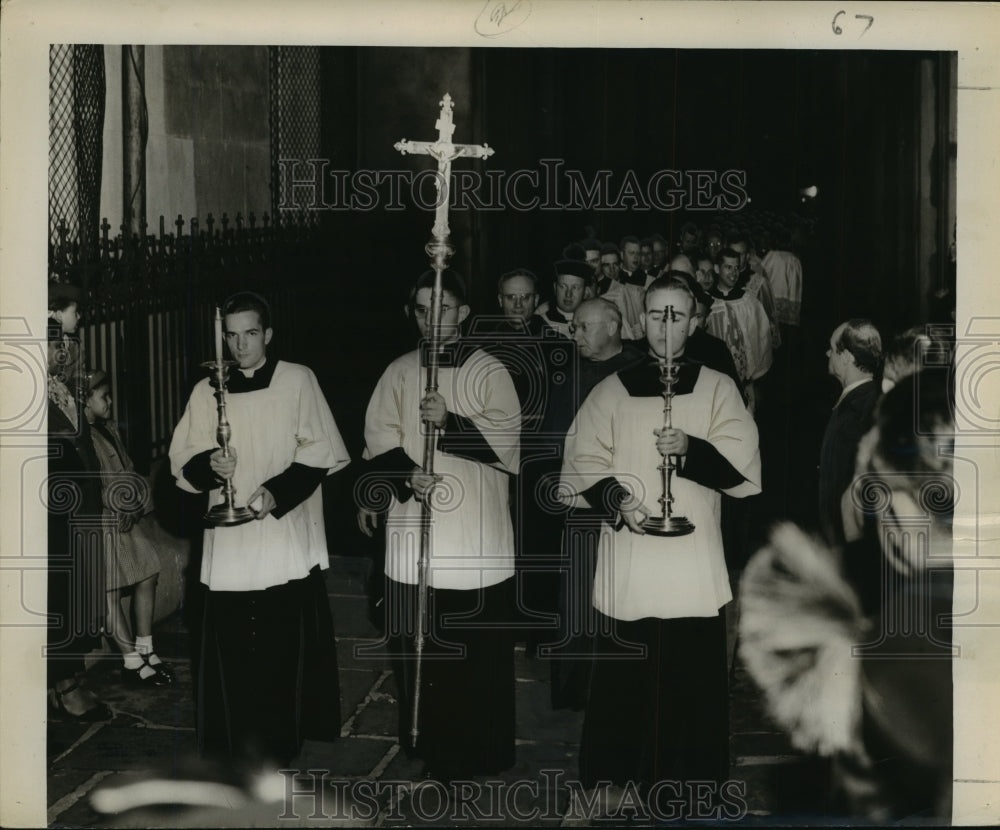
x=440 y=251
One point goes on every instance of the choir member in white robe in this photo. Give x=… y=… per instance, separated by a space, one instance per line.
x=466 y=716
x=658 y=709
x=267 y=675
x=628 y=298
x=784 y=273
x=740 y=321
x=753 y=280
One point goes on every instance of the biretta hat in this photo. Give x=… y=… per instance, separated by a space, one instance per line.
x=573 y=268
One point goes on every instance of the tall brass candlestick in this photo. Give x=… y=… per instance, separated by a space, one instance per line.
x=667 y=524
x=226 y=513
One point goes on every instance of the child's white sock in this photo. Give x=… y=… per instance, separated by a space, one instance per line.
x=144 y=645
x=133 y=660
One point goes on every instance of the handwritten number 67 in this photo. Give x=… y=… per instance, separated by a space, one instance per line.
x=837 y=30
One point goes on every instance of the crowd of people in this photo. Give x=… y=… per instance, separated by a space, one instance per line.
x=527 y=478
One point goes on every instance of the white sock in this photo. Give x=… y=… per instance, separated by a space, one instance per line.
x=133 y=660
x=144 y=645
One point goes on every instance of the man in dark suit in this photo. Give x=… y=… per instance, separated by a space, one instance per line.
x=855 y=358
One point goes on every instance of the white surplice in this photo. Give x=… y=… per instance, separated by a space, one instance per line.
x=472 y=536
x=649 y=576
x=287 y=422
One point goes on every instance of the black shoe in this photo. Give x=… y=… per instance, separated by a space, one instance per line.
x=96 y=713
x=160 y=668
x=134 y=677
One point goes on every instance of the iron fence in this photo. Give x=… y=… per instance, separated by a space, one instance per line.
x=149 y=302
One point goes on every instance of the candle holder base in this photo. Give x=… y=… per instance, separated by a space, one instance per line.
x=667 y=526
x=226 y=515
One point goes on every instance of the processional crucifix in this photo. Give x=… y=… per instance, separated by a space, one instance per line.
x=440 y=251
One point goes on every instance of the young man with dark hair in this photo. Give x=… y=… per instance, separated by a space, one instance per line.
x=632 y=273
x=687 y=238
x=646 y=257
x=661 y=251
x=466 y=715
x=658 y=709
x=268 y=666
x=592 y=253
x=703 y=347
x=613 y=288
x=574 y=283
x=752 y=280
x=739 y=321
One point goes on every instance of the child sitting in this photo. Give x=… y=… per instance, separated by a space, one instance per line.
x=130 y=556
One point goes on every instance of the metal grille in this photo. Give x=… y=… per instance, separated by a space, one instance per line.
x=76 y=127
x=295 y=111
x=150 y=303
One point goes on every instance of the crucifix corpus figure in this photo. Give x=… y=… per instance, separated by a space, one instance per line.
x=445 y=152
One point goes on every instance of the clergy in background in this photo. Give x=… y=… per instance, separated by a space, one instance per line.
x=738 y=319
x=466 y=714
x=658 y=708
x=267 y=674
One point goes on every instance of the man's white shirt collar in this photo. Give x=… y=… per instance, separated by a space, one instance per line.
x=849 y=388
x=248 y=373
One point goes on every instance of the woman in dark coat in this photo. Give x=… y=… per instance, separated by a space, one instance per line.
x=76 y=597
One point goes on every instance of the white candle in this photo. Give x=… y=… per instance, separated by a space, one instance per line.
x=218 y=336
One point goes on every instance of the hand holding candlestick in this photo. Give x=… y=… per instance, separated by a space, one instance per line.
x=667 y=524
x=224 y=514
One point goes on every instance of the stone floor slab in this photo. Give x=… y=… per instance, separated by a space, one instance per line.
x=350 y=617
x=362 y=653
x=355 y=686
x=62 y=734
x=168 y=706
x=349 y=757
x=403 y=768
x=63 y=781
x=123 y=748
x=380 y=717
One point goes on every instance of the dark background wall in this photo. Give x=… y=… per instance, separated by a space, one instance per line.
x=852 y=123
x=873 y=130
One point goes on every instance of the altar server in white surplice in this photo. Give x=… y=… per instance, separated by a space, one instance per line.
x=466 y=718
x=268 y=669
x=658 y=707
